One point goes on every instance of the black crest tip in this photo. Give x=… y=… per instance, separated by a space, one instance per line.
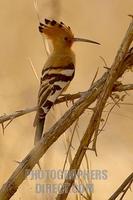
x=41 y=24
x=60 y=25
x=47 y=21
x=53 y=22
x=40 y=29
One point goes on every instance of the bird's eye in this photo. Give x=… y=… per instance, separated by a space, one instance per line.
x=66 y=38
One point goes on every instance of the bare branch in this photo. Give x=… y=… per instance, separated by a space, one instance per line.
x=16 y=114
x=67 y=97
x=123 y=188
x=122 y=88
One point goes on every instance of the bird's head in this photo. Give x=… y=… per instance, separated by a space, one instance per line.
x=60 y=34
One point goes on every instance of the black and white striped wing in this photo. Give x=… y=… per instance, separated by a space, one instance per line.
x=54 y=80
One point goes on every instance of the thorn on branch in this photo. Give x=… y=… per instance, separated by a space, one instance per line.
x=131 y=16
x=114 y=99
x=88 y=148
x=16 y=161
x=3 y=128
x=94 y=145
x=8 y=124
x=107 y=68
x=94 y=77
x=104 y=61
x=92 y=109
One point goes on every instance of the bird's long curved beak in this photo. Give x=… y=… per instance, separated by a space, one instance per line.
x=85 y=40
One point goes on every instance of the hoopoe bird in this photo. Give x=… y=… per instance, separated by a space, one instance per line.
x=58 y=70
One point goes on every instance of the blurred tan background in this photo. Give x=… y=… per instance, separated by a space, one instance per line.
x=103 y=21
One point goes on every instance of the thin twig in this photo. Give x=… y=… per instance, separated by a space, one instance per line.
x=94 y=77
x=108 y=116
x=16 y=114
x=104 y=61
x=70 y=144
x=33 y=69
x=81 y=193
x=8 y=124
x=68 y=97
x=45 y=43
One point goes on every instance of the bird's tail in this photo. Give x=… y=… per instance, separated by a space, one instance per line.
x=39 y=130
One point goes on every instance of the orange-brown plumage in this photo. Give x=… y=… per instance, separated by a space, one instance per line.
x=58 y=70
x=58 y=33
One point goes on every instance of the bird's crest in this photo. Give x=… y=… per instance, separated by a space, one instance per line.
x=52 y=28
